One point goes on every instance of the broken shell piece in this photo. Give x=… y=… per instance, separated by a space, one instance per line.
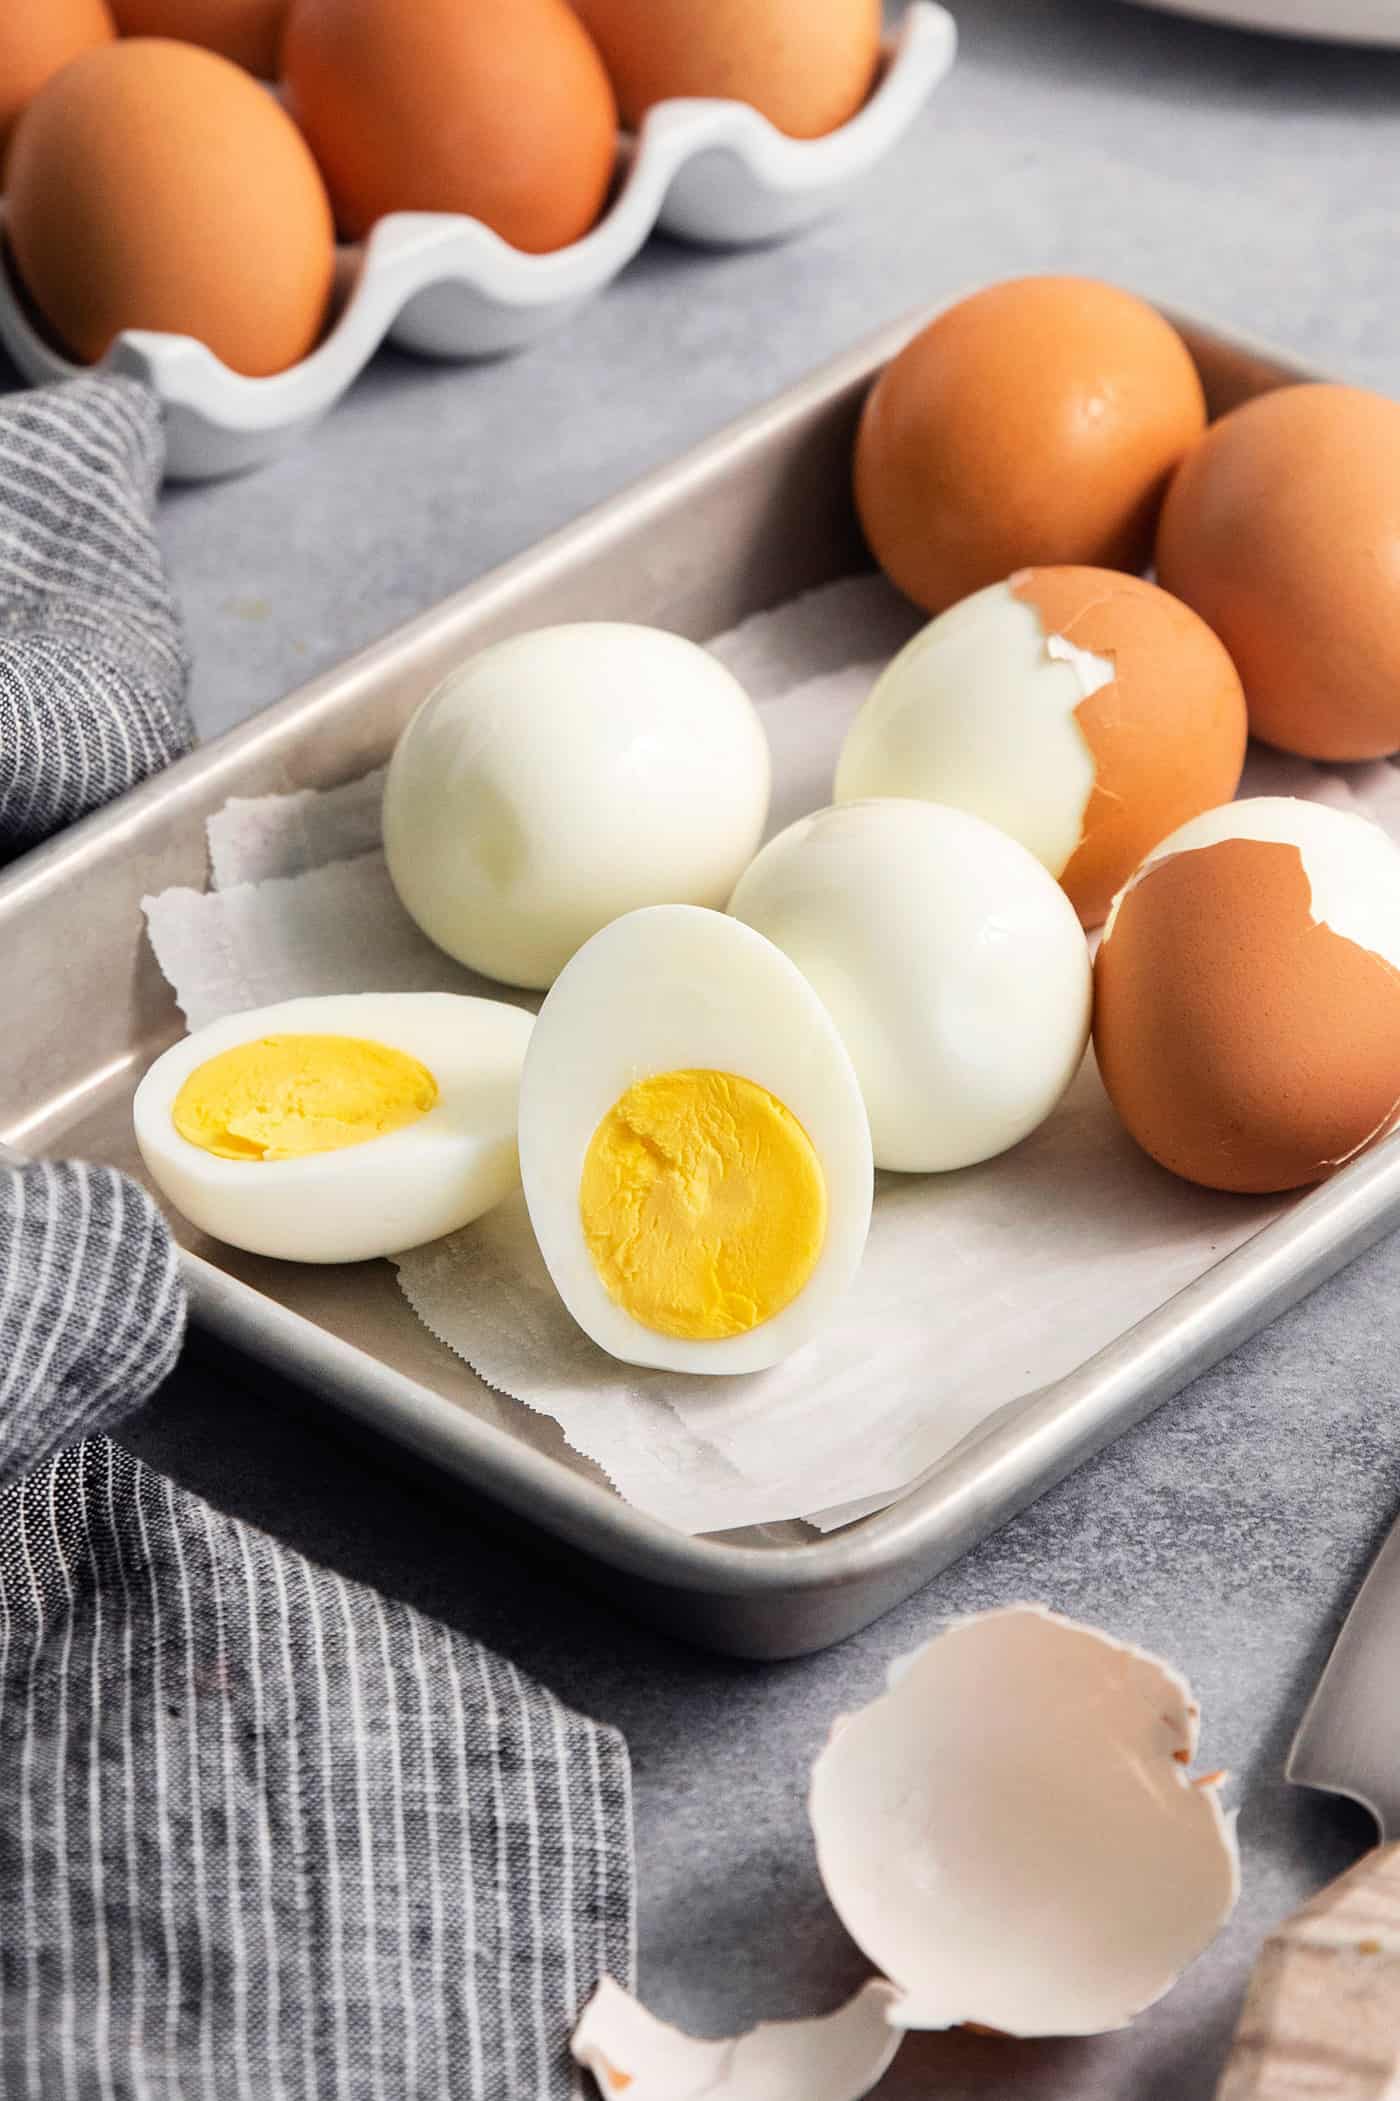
x=837 y=2057
x=1012 y=1835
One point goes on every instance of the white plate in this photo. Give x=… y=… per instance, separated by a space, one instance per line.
x=709 y=172
x=1341 y=21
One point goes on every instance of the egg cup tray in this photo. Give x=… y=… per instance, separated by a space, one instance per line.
x=744 y=522
x=713 y=173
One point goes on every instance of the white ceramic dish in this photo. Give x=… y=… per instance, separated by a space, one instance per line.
x=1339 y=21
x=714 y=173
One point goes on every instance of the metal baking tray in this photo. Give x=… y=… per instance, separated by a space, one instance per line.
x=748 y=519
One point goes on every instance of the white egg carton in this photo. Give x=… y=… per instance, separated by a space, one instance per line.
x=709 y=172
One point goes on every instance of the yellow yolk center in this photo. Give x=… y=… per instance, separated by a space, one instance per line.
x=703 y=1204
x=286 y=1096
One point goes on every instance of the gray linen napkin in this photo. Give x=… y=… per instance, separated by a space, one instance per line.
x=92 y=660
x=263 y=1833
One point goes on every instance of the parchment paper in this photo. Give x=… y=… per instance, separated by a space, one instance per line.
x=977 y=1287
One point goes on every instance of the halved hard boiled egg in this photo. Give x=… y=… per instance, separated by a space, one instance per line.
x=338 y=1128
x=1085 y=712
x=693 y=1145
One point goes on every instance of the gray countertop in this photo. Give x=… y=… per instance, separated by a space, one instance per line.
x=1234 y=176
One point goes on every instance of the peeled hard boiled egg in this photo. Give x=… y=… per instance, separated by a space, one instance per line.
x=499 y=108
x=1038 y=421
x=1282 y=529
x=1085 y=712
x=154 y=185
x=951 y=963
x=806 y=68
x=337 y=1128
x=694 y=1152
x=564 y=777
x=1247 y=995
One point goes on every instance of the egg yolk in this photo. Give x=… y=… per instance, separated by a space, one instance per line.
x=284 y=1097
x=703 y=1204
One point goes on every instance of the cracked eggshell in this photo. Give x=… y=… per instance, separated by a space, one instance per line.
x=1085 y=712
x=835 y=2057
x=1247 y=1009
x=1011 y=1832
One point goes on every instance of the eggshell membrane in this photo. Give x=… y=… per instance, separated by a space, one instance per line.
x=500 y=109
x=1282 y=529
x=247 y=31
x=674 y=988
x=1167 y=734
x=1011 y=1833
x=394 y=1192
x=807 y=69
x=1036 y=422
x=834 y=2057
x=37 y=39
x=949 y=960
x=155 y=185
x=1247 y=1043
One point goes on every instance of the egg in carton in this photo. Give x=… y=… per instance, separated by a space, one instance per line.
x=709 y=172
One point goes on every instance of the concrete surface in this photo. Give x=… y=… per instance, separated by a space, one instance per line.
x=1236 y=176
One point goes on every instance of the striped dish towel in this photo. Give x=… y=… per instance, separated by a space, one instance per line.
x=264 y=1835
x=92 y=659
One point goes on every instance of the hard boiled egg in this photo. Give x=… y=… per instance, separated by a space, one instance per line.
x=1038 y=421
x=1282 y=529
x=1083 y=711
x=564 y=777
x=951 y=963
x=1247 y=1009
x=694 y=1151
x=337 y=1128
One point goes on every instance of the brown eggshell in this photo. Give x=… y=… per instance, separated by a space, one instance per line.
x=37 y=39
x=155 y=185
x=247 y=31
x=1037 y=422
x=1168 y=735
x=497 y=108
x=1245 y=1045
x=1282 y=529
x=808 y=69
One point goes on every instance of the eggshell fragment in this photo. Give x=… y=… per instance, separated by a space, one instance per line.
x=836 y=2057
x=1282 y=529
x=1247 y=995
x=1011 y=1832
x=1038 y=421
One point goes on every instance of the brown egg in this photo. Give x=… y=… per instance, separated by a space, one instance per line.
x=1036 y=422
x=154 y=185
x=1282 y=529
x=808 y=69
x=497 y=108
x=37 y=38
x=247 y=31
x=1247 y=995
x=1087 y=732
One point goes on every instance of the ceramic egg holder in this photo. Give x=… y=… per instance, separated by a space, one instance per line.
x=713 y=173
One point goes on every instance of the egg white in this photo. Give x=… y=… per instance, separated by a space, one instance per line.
x=678 y=988
x=390 y=1193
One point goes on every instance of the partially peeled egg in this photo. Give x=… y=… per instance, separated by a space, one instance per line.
x=338 y=1128
x=1085 y=712
x=693 y=1145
